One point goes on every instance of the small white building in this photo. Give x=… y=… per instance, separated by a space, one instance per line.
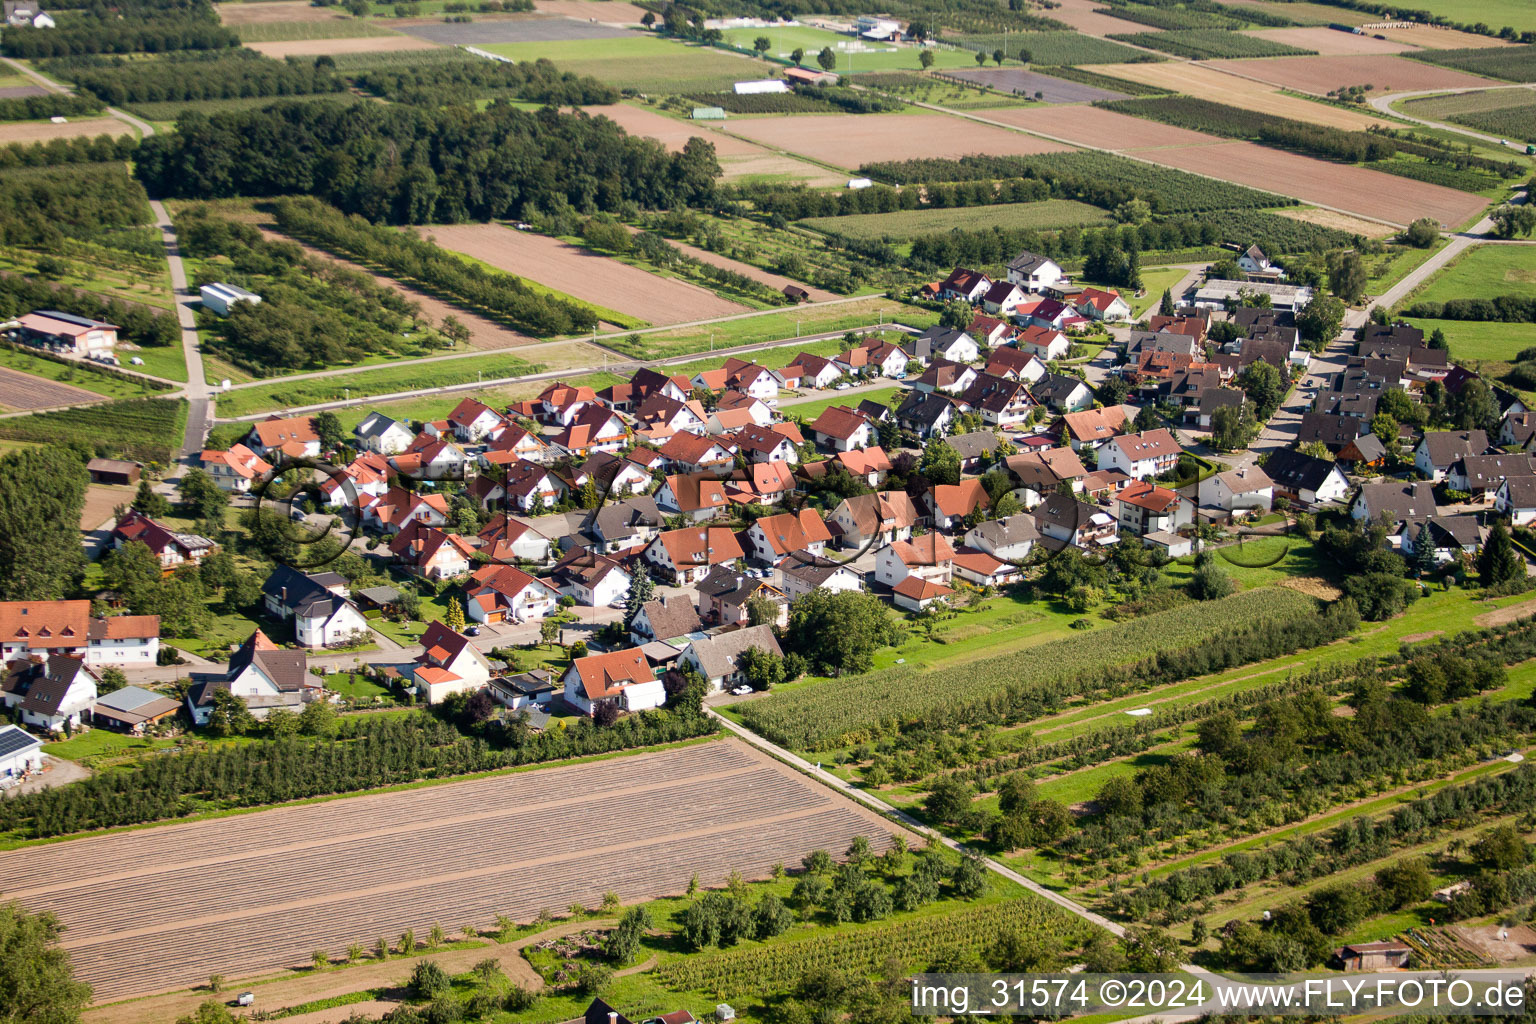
x=761 y=87
x=624 y=677
x=219 y=297
x=20 y=752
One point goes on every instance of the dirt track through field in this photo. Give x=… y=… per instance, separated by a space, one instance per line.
x=21 y=391
x=585 y=275
x=849 y=140
x=1320 y=75
x=161 y=909
x=483 y=333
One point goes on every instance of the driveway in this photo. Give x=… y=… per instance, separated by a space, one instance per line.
x=56 y=772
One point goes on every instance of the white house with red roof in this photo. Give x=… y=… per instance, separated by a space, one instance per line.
x=623 y=677
x=292 y=436
x=596 y=428
x=928 y=557
x=687 y=554
x=591 y=578
x=1143 y=507
x=756 y=408
x=752 y=380
x=431 y=458
x=399 y=507
x=1003 y=298
x=528 y=485
x=501 y=593
x=989 y=330
x=430 y=552
x=697 y=495
x=123 y=640
x=170 y=547
x=875 y=356
x=503 y=539
x=369 y=476
x=448 y=664
x=1016 y=364
x=235 y=469
x=760 y=483
x=966 y=285
x=663 y=414
x=472 y=421
x=771 y=538
x=1098 y=304
x=1139 y=456
x=764 y=444
x=811 y=371
x=1045 y=343
x=560 y=402
x=842 y=429
x=699 y=453
x=515 y=441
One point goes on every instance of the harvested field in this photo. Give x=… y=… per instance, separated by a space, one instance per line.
x=293 y=880
x=1320 y=75
x=1312 y=586
x=16 y=92
x=1055 y=90
x=1091 y=126
x=318 y=47
x=1334 y=219
x=775 y=281
x=670 y=131
x=1329 y=42
x=1220 y=87
x=643 y=62
x=275 y=11
x=483 y=333
x=773 y=167
x=1084 y=16
x=848 y=140
x=611 y=12
x=585 y=275
x=20 y=392
x=100 y=500
x=1372 y=194
x=526 y=29
x=1310 y=14
x=1433 y=37
x=47 y=131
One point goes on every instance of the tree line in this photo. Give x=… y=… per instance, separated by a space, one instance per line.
x=35 y=108
x=1507 y=309
x=536 y=81
x=156 y=36
x=406 y=165
x=224 y=74
x=79 y=150
x=39 y=205
x=418 y=260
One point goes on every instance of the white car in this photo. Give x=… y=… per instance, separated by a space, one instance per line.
x=844 y=386
x=741 y=691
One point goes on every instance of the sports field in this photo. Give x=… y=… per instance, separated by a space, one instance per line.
x=853 y=55
x=163 y=908
x=904 y=224
x=1483 y=272
x=640 y=62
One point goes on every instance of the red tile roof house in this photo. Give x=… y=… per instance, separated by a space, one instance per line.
x=945 y=375
x=915 y=594
x=448 y=664
x=517 y=442
x=764 y=444
x=812 y=371
x=752 y=380
x=430 y=552
x=39 y=628
x=595 y=429
x=699 y=453
x=968 y=285
x=1145 y=508
x=1045 y=343
x=990 y=331
x=124 y=640
x=233 y=470
x=1147 y=454
x=592 y=579
x=728 y=421
x=686 y=555
x=771 y=538
x=984 y=570
x=950 y=504
x=528 y=485
x=1003 y=298
x=369 y=476
x=760 y=483
x=928 y=557
x=879 y=358
x=880 y=518
x=505 y=540
x=665 y=413
x=560 y=402
x=1000 y=402
x=868 y=464
x=698 y=495
x=473 y=421
x=724 y=593
x=840 y=428
x=1097 y=304
x=172 y=549
x=431 y=458
x=731 y=401
x=1016 y=364
x=1092 y=428
x=501 y=593
x=275 y=432
x=391 y=513
x=623 y=677
x=615 y=475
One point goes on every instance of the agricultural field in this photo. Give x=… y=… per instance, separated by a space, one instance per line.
x=1307 y=13
x=279 y=12
x=585 y=275
x=739 y=159
x=1095 y=126
x=1492 y=346
x=1437 y=37
x=1336 y=220
x=643 y=63
x=333 y=47
x=146 y=429
x=1507 y=113
x=1517 y=14
x=1210 y=43
x=520 y=29
x=1065 y=48
x=46 y=131
x=850 y=140
x=944 y=92
x=762 y=328
x=1321 y=75
x=608 y=12
x=334 y=27
x=1206 y=82
x=48 y=373
x=466 y=851
x=854 y=56
x=1329 y=42
x=1511 y=63
x=1482 y=272
x=1033 y=83
x=22 y=392
x=905 y=224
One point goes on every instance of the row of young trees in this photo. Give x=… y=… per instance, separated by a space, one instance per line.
x=438 y=84
x=224 y=74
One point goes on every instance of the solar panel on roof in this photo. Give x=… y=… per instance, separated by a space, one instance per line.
x=14 y=740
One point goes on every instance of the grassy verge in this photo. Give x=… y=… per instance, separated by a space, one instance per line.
x=281 y=394
x=79 y=375
x=753 y=330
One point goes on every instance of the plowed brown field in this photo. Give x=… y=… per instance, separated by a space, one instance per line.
x=21 y=391
x=1091 y=126
x=669 y=131
x=1358 y=190
x=1330 y=42
x=848 y=140
x=163 y=908
x=1321 y=75
x=1434 y=38
x=610 y=12
x=317 y=47
x=47 y=131
x=275 y=10
x=587 y=276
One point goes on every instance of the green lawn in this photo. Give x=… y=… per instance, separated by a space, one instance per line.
x=168 y=362
x=279 y=394
x=1518 y=14
x=82 y=376
x=853 y=55
x=903 y=225
x=791 y=323
x=342 y=683
x=103 y=744
x=1154 y=281
x=1485 y=342
x=1483 y=271
x=644 y=63
x=1396 y=263
x=808 y=411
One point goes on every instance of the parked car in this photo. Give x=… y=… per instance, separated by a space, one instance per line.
x=471 y=630
x=742 y=690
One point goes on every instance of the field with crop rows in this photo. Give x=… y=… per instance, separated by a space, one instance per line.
x=827 y=713
x=1065 y=48
x=331 y=28
x=1205 y=44
x=1511 y=63
x=644 y=63
x=1507 y=113
x=145 y=429
x=903 y=224
x=321 y=876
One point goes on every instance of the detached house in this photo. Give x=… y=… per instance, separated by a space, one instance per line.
x=965 y=285
x=944 y=375
x=927 y=414
x=719 y=658
x=1397 y=500
x=1145 y=508
x=292 y=437
x=448 y=664
x=699 y=453
x=1016 y=364
x=621 y=677
x=662 y=415
x=1093 y=428
x=1067 y=521
x=319 y=605
x=1010 y=540
x=1237 y=490
x=262 y=675
x=950 y=504
x=664 y=619
x=1003 y=298
x=1479 y=475
x=1045 y=343
x=873 y=519
x=724 y=593
x=627 y=525
x=431 y=458
x=1097 y=304
x=1305 y=478
x=842 y=429
x=764 y=444
x=593 y=579
x=503 y=593
x=1035 y=272
x=614 y=475
x=560 y=402
x=772 y=538
x=813 y=371
x=527 y=486
x=688 y=554
x=235 y=469
x=1147 y=454
x=700 y=496
x=752 y=380
x=803 y=572
x=172 y=549
x=473 y=421
x=1516 y=498
x=876 y=357
x=378 y=433
x=596 y=428
x=928 y=557
x=1000 y=402
x=1441 y=448
x=50 y=695
x=944 y=343
x=432 y=553
x=1063 y=393
x=515 y=442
